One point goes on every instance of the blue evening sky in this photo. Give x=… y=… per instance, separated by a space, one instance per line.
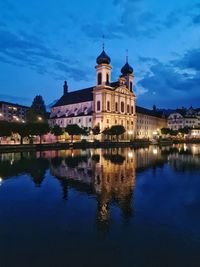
x=42 y=43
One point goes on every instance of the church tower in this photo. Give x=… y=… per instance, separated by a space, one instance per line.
x=65 y=88
x=127 y=73
x=103 y=69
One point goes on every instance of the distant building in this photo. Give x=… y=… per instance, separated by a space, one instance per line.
x=195 y=133
x=149 y=122
x=12 y=112
x=184 y=118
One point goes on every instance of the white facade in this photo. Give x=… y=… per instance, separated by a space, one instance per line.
x=106 y=103
x=184 y=118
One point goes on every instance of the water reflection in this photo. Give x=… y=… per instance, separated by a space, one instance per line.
x=109 y=175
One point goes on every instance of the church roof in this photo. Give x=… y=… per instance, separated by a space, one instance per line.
x=149 y=112
x=79 y=96
x=103 y=58
x=126 y=69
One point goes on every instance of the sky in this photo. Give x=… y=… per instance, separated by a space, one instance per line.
x=43 y=43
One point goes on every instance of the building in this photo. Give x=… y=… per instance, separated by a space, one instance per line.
x=182 y=118
x=149 y=122
x=105 y=104
x=12 y=112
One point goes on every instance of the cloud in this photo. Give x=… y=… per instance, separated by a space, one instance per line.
x=15 y=99
x=23 y=49
x=190 y=60
x=166 y=84
x=71 y=71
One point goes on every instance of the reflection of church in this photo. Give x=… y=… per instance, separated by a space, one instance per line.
x=109 y=174
x=105 y=104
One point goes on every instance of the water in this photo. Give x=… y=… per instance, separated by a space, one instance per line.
x=113 y=207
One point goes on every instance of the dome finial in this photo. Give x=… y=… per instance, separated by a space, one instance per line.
x=103 y=44
x=126 y=55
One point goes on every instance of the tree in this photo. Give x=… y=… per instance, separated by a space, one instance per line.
x=73 y=129
x=107 y=132
x=165 y=131
x=38 y=104
x=117 y=130
x=96 y=130
x=23 y=129
x=173 y=132
x=85 y=131
x=57 y=131
x=5 y=129
x=37 y=112
x=39 y=129
x=184 y=130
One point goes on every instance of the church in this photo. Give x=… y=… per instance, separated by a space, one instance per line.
x=105 y=104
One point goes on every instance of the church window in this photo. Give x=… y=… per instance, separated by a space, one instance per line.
x=99 y=78
x=116 y=106
x=108 y=105
x=128 y=109
x=131 y=86
x=98 y=105
x=107 y=78
x=122 y=106
x=132 y=109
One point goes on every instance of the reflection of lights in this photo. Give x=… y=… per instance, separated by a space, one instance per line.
x=1 y=180
x=130 y=154
x=155 y=151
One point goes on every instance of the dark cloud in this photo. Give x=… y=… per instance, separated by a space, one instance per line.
x=171 y=83
x=190 y=60
x=71 y=71
x=196 y=19
x=23 y=49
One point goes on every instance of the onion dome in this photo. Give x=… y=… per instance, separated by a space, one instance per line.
x=126 y=69
x=103 y=58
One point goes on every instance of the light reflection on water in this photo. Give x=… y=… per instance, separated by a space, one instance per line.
x=110 y=207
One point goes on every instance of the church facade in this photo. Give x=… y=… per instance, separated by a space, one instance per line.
x=105 y=104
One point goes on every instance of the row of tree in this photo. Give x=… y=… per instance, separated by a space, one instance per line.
x=168 y=131
x=31 y=129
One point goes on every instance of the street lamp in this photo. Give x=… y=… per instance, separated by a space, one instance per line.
x=39 y=118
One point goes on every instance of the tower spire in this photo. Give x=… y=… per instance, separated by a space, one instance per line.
x=65 y=88
x=103 y=44
x=126 y=55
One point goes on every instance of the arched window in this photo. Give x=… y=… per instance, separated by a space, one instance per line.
x=116 y=106
x=99 y=78
x=122 y=106
x=108 y=105
x=131 y=86
x=128 y=110
x=132 y=109
x=107 y=78
x=98 y=105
